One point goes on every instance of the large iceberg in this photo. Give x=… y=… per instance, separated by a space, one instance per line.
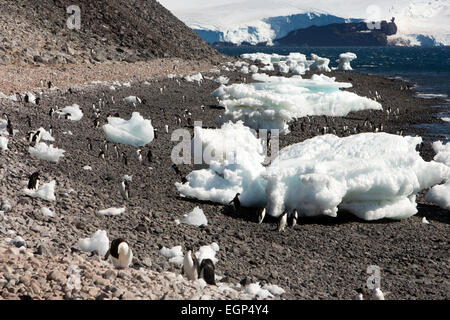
x=135 y=132
x=273 y=101
x=440 y=194
x=372 y=175
x=235 y=158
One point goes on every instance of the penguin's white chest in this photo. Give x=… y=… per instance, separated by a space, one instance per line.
x=190 y=269
x=125 y=257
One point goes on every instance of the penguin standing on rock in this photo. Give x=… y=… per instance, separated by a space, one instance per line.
x=125 y=189
x=292 y=221
x=149 y=156
x=33 y=181
x=121 y=253
x=282 y=221
x=236 y=202
x=36 y=138
x=123 y=158
x=261 y=215
x=206 y=271
x=190 y=266
x=139 y=155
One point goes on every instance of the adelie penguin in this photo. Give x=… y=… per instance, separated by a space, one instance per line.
x=101 y=154
x=261 y=214
x=125 y=189
x=236 y=202
x=149 y=156
x=292 y=220
x=33 y=181
x=138 y=155
x=206 y=271
x=89 y=144
x=36 y=138
x=282 y=221
x=121 y=254
x=124 y=159
x=190 y=266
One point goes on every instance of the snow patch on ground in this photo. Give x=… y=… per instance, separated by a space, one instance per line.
x=135 y=132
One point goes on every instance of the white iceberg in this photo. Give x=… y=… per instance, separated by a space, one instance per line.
x=196 y=218
x=46 y=152
x=372 y=175
x=235 y=166
x=99 y=242
x=344 y=61
x=135 y=132
x=74 y=110
x=440 y=194
x=273 y=101
x=46 y=191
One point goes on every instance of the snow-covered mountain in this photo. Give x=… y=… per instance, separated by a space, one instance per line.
x=419 y=22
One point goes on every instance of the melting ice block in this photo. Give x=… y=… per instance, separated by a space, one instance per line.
x=196 y=217
x=98 y=242
x=135 y=132
x=46 y=152
x=74 y=110
x=320 y=64
x=46 y=191
x=3 y=143
x=273 y=101
x=236 y=166
x=344 y=61
x=372 y=175
x=440 y=194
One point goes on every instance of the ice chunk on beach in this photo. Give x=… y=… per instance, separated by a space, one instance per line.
x=111 y=211
x=194 y=77
x=320 y=64
x=235 y=166
x=222 y=80
x=47 y=212
x=132 y=99
x=3 y=143
x=273 y=101
x=440 y=194
x=97 y=242
x=295 y=62
x=74 y=110
x=372 y=175
x=135 y=132
x=175 y=255
x=255 y=290
x=45 y=191
x=344 y=61
x=46 y=152
x=196 y=217
x=207 y=252
x=274 y=289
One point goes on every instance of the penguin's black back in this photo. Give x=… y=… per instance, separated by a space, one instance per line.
x=114 y=250
x=32 y=181
x=207 y=267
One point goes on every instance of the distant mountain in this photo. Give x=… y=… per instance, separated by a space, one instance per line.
x=340 y=34
x=419 y=22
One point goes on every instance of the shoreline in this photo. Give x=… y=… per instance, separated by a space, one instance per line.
x=323 y=258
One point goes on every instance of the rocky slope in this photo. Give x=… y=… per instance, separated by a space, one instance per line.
x=36 y=32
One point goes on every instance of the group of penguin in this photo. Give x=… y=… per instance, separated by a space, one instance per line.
x=287 y=218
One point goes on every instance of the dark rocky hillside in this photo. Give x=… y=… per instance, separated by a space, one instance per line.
x=34 y=31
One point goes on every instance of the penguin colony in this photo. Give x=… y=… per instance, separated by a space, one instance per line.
x=120 y=251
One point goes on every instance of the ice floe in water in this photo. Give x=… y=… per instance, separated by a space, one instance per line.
x=46 y=191
x=344 y=61
x=99 y=242
x=440 y=194
x=135 y=132
x=235 y=166
x=372 y=175
x=273 y=101
x=196 y=218
x=46 y=152
x=74 y=111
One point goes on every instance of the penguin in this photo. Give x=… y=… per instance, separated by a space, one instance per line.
x=261 y=215
x=166 y=128
x=206 y=271
x=292 y=221
x=105 y=145
x=50 y=129
x=50 y=85
x=116 y=151
x=121 y=253
x=123 y=158
x=138 y=155
x=9 y=127
x=125 y=189
x=190 y=266
x=155 y=132
x=36 y=138
x=67 y=116
x=175 y=168
x=26 y=99
x=29 y=121
x=189 y=122
x=377 y=294
x=236 y=202
x=89 y=144
x=149 y=155
x=360 y=295
x=37 y=100
x=50 y=113
x=101 y=154
x=33 y=181
x=282 y=221
x=96 y=123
